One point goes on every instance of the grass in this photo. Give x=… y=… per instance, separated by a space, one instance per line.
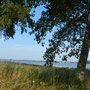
x=15 y=76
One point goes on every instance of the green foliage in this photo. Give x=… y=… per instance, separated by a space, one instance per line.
x=15 y=12
x=69 y=19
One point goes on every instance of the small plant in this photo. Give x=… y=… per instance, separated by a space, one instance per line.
x=25 y=77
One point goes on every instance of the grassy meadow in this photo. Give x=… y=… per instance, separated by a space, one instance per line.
x=15 y=76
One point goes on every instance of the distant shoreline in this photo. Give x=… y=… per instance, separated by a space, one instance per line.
x=35 y=60
x=11 y=60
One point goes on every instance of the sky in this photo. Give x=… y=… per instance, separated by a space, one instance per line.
x=23 y=47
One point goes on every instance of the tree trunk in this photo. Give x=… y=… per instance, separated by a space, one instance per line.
x=84 y=54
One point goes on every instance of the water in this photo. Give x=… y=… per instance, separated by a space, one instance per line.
x=65 y=65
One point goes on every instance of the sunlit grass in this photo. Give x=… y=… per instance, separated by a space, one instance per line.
x=28 y=77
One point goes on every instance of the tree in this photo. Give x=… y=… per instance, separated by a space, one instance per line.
x=70 y=17
x=73 y=30
x=16 y=12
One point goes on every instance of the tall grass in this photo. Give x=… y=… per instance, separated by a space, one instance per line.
x=27 y=77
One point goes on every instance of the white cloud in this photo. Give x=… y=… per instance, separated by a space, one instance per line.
x=2 y=39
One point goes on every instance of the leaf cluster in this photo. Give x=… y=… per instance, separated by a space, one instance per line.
x=70 y=19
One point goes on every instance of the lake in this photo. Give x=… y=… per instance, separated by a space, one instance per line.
x=65 y=65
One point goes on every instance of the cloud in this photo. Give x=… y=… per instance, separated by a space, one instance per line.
x=2 y=39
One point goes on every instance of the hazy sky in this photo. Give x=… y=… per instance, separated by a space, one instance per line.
x=24 y=46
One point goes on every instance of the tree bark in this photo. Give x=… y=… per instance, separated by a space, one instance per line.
x=81 y=67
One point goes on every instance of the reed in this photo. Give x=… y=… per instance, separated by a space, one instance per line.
x=15 y=76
